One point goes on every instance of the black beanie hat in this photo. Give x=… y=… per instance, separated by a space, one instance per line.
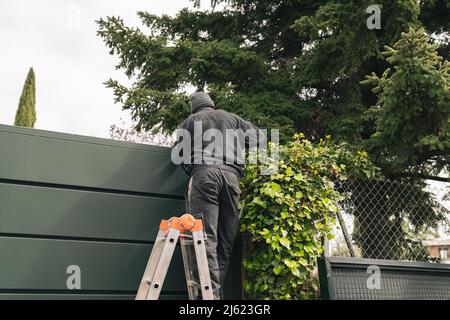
x=199 y=100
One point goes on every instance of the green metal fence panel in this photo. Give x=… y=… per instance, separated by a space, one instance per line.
x=94 y=203
x=41 y=157
x=35 y=210
x=376 y=279
x=42 y=264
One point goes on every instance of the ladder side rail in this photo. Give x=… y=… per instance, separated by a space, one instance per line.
x=150 y=269
x=202 y=263
x=163 y=264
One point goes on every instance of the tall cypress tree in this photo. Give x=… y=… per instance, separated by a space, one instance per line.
x=26 y=112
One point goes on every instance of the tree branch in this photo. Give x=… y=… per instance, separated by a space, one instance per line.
x=421 y=176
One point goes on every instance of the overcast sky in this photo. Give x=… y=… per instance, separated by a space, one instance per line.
x=58 y=39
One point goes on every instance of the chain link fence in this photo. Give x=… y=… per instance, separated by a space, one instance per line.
x=382 y=219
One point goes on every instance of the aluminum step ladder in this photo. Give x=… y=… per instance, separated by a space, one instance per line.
x=192 y=237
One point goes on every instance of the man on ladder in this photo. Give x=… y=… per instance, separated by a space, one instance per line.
x=213 y=188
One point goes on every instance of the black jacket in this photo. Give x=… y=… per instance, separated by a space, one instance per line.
x=231 y=156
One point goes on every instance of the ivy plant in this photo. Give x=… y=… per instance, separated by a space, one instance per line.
x=287 y=214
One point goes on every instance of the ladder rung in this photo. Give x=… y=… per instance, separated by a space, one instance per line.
x=190 y=242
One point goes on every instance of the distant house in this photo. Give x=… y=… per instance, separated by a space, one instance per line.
x=439 y=249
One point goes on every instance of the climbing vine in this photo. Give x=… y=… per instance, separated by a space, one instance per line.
x=287 y=214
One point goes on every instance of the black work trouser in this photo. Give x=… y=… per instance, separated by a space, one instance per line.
x=214 y=193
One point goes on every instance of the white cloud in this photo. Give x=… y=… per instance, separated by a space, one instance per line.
x=58 y=38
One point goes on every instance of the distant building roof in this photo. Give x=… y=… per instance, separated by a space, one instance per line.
x=437 y=242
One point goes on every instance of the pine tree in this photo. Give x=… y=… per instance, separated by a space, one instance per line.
x=293 y=65
x=413 y=106
x=26 y=112
x=297 y=65
x=411 y=116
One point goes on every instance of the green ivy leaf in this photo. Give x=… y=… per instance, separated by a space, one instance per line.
x=271 y=189
x=258 y=201
x=303 y=261
x=296 y=272
x=285 y=243
x=277 y=270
